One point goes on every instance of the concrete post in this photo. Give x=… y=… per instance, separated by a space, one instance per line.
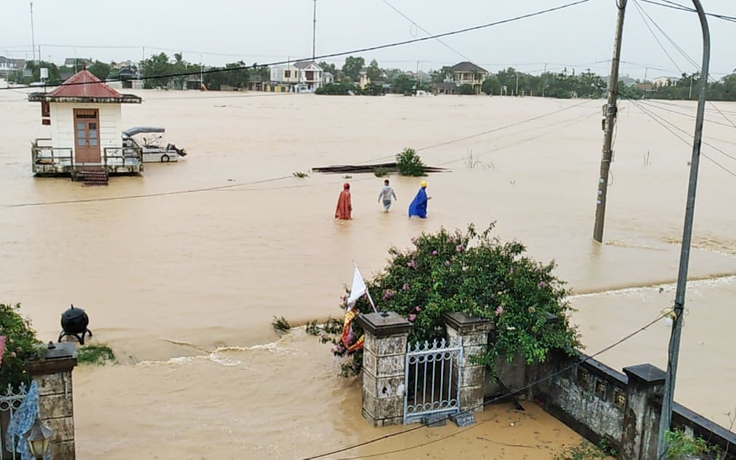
x=474 y=334
x=384 y=365
x=641 y=416
x=53 y=375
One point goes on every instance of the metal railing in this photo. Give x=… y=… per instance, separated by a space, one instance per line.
x=10 y=401
x=44 y=154
x=432 y=379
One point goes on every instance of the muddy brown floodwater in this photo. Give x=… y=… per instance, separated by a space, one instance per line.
x=184 y=284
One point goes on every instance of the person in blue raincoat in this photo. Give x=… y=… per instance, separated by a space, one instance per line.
x=418 y=207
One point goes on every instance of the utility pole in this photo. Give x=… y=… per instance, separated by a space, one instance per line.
x=544 y=79
x=33 y=37
x=674 y=347
x=314 y=31
x=611 y=109
x=516 y=93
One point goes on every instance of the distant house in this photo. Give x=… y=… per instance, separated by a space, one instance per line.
x=303 y=76
x=467 y=73
x=8 y=66
x=664 y=81
x=327 y=78
x=285 y=75
x=644 y=86
x=364 y=80
x=310 y=74
x=445 y=87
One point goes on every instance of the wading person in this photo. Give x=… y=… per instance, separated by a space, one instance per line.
x=344 y=204
x=418 y=207
x=386 y=195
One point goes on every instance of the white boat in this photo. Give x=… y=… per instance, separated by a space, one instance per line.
x=149 y=140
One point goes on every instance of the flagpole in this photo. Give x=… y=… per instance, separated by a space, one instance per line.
x=370 y=299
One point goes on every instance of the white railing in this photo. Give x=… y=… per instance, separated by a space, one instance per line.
x=10 y=401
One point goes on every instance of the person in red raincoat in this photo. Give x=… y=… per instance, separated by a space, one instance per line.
x=344 y=203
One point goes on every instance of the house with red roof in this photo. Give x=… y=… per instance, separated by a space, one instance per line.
x=85 y=120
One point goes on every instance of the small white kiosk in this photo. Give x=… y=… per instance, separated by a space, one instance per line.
x=86 y=124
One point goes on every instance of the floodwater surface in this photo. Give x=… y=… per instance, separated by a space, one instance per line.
x=182 y=269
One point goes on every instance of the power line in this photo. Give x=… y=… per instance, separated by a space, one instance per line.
x=654 y=101
x=564 y=123
x=662 y=123
x=233 y=186
x=677 y=6
x=425 y=30
x=491 y=401
x=372 y=48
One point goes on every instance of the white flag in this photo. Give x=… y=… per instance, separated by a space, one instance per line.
x=358 y=288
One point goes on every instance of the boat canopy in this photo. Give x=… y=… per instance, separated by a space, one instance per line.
x=142 y=130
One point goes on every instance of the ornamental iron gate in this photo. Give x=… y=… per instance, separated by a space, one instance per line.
x=10 y=401
x=432 y=379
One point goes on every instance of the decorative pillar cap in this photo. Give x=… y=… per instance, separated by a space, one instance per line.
x=384 y=324
x=465 y=324
x=646 y=374
x=59 y=357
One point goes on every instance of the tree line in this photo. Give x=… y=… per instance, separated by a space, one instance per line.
x=160 y=70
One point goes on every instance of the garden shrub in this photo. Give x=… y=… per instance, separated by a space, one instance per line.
x=476 y=274
x=410 y=164
x=21 y=345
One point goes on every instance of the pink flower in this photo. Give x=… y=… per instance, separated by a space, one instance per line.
x=412 y=317
x=541 y=284
x=418 y=309
x=388 y=294
x=405 y=287
x=459 y=248
x=412 y=264
x=447 y=263
x=499 y=311
x=434 y=253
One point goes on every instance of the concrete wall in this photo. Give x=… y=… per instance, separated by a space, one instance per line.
x=623 y=408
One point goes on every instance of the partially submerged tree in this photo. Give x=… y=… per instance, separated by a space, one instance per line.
x=477 y=274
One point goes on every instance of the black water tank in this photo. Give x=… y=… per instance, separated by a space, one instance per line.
x=74 y=321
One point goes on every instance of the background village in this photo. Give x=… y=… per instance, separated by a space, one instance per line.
x=355 y=76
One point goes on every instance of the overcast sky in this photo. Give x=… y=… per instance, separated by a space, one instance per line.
x=267 y=31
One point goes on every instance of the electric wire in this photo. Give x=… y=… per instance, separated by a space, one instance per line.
x=664 y=123
x=369 y=48
x=677 y=6
x=275 y=179
x=425 y=30
x=485 y=403
x=682 y=52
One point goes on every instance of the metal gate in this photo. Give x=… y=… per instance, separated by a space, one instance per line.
x=10 y=401
x=432 y=379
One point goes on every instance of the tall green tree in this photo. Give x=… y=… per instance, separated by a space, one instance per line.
x=100 y=70
x=373 y=71
x=352 y=67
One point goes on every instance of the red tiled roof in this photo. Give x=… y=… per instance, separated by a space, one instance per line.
x=84 y=84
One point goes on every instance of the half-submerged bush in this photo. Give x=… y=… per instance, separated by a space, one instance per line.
x=477 y=274
x=96 y=354
x=410 y=164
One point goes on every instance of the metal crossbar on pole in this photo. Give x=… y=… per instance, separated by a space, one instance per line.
x=674 y=346
x=611 y=110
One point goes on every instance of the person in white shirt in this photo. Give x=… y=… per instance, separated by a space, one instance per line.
x=387 y=193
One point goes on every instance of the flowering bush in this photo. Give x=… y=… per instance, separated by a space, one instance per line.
x=21 y=345
x=474 y=273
